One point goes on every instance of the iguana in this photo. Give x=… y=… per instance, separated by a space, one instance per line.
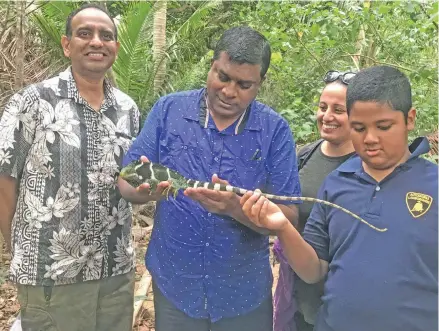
x=138 y=172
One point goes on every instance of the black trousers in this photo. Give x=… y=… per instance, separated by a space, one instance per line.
x=169 y=318
x=301 y=324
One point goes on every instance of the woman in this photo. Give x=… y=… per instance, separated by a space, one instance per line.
x=295 y=307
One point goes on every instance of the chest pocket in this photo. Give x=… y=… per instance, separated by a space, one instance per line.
x=250 y=172
x=180 y=153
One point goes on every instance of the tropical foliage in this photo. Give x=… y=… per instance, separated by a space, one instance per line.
x=307 y=38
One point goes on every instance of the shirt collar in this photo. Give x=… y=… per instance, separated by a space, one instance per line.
x=67 y=89
x=249 y=120
x=418 y=147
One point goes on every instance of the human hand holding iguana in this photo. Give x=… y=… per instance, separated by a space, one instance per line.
x=218 y=202
x=262 y=212
x=142 y=193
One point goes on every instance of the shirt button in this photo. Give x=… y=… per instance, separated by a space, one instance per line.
x=209 y=214
x=185 y=147
x=207 y=276
x=216 y=158
x=377 y=188
x=207 y=244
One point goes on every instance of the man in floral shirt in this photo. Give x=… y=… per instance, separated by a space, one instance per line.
x=62 y=216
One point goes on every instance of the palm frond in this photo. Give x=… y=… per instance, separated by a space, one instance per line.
x=198 y=19
x=132 y=66
x=50 y=20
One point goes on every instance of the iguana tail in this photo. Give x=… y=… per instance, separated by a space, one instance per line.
x=241 y=191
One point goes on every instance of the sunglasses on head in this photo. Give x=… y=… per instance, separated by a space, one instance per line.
x=333 y=75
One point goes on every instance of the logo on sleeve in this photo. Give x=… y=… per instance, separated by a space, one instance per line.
x=418 y=203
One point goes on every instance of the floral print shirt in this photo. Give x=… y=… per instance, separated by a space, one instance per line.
x=71 y=223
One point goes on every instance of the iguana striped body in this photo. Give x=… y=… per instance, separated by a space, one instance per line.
x=138 y=173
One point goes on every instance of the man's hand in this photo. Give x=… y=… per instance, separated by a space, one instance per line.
x=262 y=212
x=225 y=203
x=144 y=189
x=141 y=194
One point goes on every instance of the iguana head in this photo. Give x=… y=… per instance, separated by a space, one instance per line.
x=130 y=175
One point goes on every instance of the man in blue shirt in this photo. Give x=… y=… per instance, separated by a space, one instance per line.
x=209 y=271
x=380 y=281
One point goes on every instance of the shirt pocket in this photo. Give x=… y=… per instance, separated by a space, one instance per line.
x=181 y=154
x=249 y=174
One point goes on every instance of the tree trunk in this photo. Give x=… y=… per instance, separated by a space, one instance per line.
x=159 y=45
x=365 y=46
x=359 y=48
x=5 y=22
x=19 y=58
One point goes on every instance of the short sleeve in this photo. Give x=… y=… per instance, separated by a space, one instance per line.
x=147 y=142
x=17 y=127
x=136 y=120
x=282 y=164
x=316 y=228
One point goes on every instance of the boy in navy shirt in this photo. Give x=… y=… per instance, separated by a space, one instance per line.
x=376 y=281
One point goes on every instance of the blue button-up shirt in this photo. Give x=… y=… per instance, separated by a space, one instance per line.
x=380 y=281
x=209 y=265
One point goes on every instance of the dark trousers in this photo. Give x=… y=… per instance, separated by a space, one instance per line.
x=97 y=305
x=169 y=318
x=301 y=324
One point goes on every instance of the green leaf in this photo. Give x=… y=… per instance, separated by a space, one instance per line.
x=315 y=28
x=383 y=9
x=410 y=7
x=276 y=57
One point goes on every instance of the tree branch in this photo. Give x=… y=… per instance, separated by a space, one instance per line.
x=384 y=46
x=428 y=16
x=388 y=64
x=306 y=49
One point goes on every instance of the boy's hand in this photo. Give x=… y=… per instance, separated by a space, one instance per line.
x=262 y=212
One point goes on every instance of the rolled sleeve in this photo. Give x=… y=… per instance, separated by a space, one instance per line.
x=146 y=143
x=17 y=126
x=284 y=176
x=135 y=120
x=316 y=229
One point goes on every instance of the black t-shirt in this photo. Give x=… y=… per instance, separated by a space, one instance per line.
x=311 y=177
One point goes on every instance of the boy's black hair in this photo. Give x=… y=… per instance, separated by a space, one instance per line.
x=86 y=6
x=245 y=45
x=382 y=84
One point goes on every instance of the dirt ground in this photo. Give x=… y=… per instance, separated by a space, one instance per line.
x=9 y=307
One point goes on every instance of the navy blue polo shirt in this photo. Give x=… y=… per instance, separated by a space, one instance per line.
x=209 y=265
x=379 y=281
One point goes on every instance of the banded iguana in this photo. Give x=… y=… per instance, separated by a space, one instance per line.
x=138 y=172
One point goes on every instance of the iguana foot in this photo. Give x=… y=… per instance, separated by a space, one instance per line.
x=175 y=193
x=166 y=192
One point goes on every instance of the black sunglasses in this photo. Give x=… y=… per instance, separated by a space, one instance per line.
x=333 y=75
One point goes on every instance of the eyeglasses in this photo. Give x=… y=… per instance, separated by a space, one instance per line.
x=333 y=75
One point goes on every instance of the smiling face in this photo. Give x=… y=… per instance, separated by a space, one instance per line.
x=380 y=136
x=92 y=48
x=332 y=117
x=231 y=87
